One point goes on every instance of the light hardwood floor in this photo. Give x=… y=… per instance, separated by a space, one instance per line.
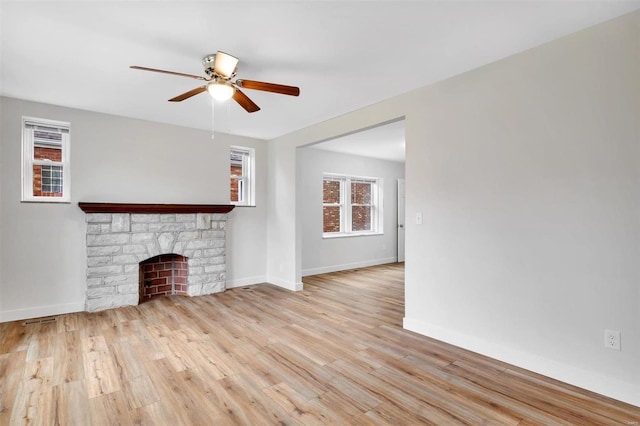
x=334 y=353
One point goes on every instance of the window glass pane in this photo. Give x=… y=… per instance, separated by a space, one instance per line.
x=236 y=164
x=236 y=175
x=361 y=218
x=43 y=137
x=47 y=181
x=47 y=145
x=47 y=153
x=331 y=218
x=236 y=192
x=331 y=191
x=361 y=192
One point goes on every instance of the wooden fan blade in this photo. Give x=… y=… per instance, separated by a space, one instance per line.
x=188 y=94
x=245 y=102
x=269 y=87
x=181 y=74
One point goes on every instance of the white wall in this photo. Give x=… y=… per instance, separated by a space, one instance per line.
x=113 y=159
x=321 y=255
x=1 y=225
x=527 y=174
x=531 y=239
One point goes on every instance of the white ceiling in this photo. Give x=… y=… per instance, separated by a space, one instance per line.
x=384 y=142
x=343 y=55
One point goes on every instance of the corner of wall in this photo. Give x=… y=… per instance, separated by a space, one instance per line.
x=288 y=285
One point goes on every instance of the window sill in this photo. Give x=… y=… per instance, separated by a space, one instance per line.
x=46 y=200
x=344 y=235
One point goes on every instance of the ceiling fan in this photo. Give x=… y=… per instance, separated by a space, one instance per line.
x=221 y=68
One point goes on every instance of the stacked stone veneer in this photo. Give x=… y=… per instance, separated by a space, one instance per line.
x=118 y=242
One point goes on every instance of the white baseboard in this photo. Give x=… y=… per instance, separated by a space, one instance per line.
x=289 y=285
x=594 y=382
x=41 y=311
x=246 y=281
x=345 y=266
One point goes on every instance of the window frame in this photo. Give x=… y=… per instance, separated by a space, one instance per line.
x=29 y=126
x=346 y=206
x=246 y=181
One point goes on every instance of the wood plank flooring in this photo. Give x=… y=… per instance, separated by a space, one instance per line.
x=334 y=353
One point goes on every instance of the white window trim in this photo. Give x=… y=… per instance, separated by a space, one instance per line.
x=345 y=203
x=247 y=182
x=28 y=161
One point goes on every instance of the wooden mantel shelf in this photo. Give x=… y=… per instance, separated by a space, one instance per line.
x=154 y=208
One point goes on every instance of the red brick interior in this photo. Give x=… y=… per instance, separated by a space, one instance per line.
x=163 y=275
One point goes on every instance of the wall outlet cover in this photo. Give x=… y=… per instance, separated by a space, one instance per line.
x=612 y=339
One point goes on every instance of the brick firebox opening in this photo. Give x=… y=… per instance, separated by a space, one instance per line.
x=163 y=275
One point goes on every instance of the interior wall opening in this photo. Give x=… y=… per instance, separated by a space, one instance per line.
x=348 y=200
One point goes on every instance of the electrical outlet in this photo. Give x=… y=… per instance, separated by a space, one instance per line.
x=612 y=339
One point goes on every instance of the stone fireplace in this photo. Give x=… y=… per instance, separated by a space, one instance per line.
x=121 y=236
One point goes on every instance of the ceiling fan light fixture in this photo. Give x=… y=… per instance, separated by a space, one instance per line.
x=221 y=91
x=220 y=69
x=225 y=65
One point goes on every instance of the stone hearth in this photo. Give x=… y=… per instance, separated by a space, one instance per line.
x=120 y=236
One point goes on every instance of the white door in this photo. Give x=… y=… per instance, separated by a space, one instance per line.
x=400 y=220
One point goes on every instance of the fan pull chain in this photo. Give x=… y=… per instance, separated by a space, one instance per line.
x=213 y=122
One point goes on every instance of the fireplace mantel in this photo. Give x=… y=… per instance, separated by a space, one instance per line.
x=154 y=208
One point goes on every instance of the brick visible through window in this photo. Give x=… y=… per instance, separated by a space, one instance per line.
x=236 y=170
x=361 y=205
x=47 y=181
x=350 y=205
x=331 y=210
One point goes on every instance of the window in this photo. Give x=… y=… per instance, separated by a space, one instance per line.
x=242 y=176
x=351 y=206
x=45 y=160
